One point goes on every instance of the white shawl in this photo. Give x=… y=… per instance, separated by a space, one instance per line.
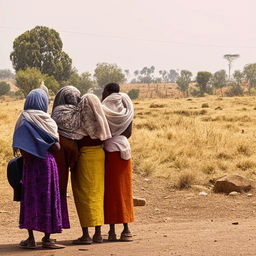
x=40 y=119
x=119 y=112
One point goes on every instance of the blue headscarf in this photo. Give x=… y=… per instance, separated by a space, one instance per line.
x=28 y=136
x=37 y=99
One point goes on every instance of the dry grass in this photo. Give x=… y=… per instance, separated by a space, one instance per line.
x=177 y=139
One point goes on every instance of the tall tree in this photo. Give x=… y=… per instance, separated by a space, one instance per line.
x=106 y=73
x=230 y=58
x=41 y=48
x=173 y=76
x=202 y=78
x=219 y=79
x=238 y=75
x=250 y=75
x=183 y=81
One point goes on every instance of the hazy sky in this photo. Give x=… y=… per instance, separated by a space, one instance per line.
x=177 y=34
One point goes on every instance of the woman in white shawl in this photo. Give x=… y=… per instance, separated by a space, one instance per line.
x=118 y=201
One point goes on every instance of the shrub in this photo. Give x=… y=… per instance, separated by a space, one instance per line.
x=194 y=91
x=235 y=90
x=205 y=105
x=4 y=88
x=155 y=105
x=134 y=94
x=185 y=180
x=19 y=94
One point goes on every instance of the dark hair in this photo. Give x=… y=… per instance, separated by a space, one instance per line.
x=112 y=88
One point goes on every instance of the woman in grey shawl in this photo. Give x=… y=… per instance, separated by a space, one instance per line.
x=64 y=105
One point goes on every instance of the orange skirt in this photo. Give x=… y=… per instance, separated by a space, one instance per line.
x=118 y=201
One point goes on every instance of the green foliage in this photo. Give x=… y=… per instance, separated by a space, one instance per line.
x=250 y=75
x=51 y=83
x=134 y=94
x=194 y=91
x=41 y=48
x=108 y=73
x=238 y=76
x=31 y=78
x=202 y=78
x=219 y=79
x=19 y=94
x=184 y=80
x=6 y=73
x=83 y=82
x=4 y=88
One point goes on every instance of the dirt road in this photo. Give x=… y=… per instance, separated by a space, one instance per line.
x=173 y=223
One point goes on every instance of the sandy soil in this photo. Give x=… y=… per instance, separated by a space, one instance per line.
x=173 y=223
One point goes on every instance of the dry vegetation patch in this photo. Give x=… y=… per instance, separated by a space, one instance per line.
x=192 y=146
x=177 y=139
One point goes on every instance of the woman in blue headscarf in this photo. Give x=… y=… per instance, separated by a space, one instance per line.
x=36 y=137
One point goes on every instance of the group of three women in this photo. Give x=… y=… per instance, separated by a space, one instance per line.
x=88 y=138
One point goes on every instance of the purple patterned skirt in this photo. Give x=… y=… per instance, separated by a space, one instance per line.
x=40 y=207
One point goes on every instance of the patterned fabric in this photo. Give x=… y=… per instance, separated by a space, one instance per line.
x=67 y=95
x=40 y=207
x=93 y=120
x=68 y=121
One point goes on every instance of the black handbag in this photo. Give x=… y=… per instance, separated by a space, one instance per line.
x=14 y=176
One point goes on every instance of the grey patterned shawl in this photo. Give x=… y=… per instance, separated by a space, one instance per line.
x=65 y=112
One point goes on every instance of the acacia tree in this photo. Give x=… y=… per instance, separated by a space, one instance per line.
x=230 y=58
x=107 y=73
x=250 y=75
x=219 y=79
x=202 y=78
x=41 y=48
x=183 y=81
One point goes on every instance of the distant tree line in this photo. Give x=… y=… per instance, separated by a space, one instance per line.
x=38 y=56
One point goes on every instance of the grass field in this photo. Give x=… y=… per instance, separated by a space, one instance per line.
x=188 y=141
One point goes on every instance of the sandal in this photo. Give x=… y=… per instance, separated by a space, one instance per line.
x=112 y=237
x=97 y=239
x=81 y=241
x=51 y=240
x=51 y=245
x=126 y=237
x=26 y=244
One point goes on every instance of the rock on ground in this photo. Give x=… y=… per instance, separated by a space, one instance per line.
x=139 y=201
x=232 y=183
